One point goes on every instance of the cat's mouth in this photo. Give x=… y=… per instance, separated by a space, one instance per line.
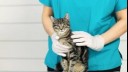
x=63 y=35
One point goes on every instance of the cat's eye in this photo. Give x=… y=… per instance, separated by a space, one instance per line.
x=67 y=26
x=56 y=27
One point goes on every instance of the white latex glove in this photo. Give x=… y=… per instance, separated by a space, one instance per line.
x=58 y=48
x=82 y=38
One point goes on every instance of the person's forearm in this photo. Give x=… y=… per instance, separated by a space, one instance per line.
x=47 y=23
x=46 y=20
x=115 y=32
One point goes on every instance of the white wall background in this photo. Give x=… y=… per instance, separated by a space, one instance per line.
x=23 y=41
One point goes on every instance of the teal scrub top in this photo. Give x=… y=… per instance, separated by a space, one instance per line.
x=94 y=17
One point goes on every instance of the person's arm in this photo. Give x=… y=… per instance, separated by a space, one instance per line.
x=57 y=48
x=46 y=20
x=98 y=42
x=118 y=29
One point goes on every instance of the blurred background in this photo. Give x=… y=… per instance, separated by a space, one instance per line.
x=23 y=41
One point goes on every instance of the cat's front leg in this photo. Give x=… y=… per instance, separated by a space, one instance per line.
x=65 y=65
x=71 y=66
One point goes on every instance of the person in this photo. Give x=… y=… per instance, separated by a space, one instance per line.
x=97 y=24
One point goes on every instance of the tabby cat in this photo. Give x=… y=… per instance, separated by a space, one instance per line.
x=75 y=60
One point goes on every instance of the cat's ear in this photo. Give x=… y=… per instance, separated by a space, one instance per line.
x=52 y=18
x=67 y=16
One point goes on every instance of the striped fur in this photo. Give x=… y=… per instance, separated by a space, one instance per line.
x=76 y=60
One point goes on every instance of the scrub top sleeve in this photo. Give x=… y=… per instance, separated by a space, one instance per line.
x=120 y=5
x=46 y=2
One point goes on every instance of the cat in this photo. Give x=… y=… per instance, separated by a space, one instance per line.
x=76 y=59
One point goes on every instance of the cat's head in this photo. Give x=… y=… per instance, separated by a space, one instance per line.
x=61 y=26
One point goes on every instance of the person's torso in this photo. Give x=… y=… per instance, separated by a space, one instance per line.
x=95 y=17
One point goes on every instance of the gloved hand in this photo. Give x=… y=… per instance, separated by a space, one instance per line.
x=58 y=48
x=82 y=38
